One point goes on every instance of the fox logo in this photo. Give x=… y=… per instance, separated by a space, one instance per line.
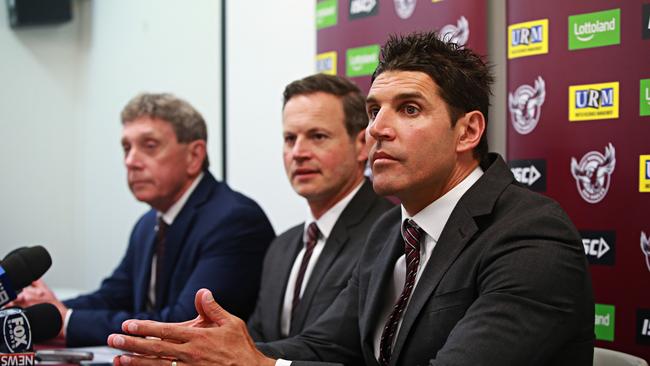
x=526 y=106
x=593 y=173
x=458 y=34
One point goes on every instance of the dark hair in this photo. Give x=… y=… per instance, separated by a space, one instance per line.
x=354 y=102
x=463 y=78
x=187 y=122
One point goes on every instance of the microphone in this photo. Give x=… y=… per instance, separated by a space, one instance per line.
x=20 y=268
x=21 y=328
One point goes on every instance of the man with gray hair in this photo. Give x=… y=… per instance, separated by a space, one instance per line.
x=199 y=233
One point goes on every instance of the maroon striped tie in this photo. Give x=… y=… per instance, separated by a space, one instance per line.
x=312 y=239
x=411 y=234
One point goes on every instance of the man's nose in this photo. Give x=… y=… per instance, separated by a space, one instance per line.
x=380 y=128
x=301 y=149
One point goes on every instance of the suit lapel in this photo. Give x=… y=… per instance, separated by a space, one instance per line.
x=381 y=275
x=177 y=232
x=353 y=213
x=143 y=274
x=284 y=266
x=459 y=229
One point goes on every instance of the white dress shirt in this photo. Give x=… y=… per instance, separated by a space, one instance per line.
x=325 y=225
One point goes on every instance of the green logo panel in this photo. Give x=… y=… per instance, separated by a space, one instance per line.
x=604 y=322
x=361 y=61
x=598 y=29
x=326 y=13
x=644 y=98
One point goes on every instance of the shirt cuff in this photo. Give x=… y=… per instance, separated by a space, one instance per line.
x=66 y=321
x=281 y=362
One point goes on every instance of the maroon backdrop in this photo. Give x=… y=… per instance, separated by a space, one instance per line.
x=363 y=30
x=613 y=225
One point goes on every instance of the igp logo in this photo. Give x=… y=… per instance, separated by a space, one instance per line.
x=643 y=326
x=593 y=173
x=600 y=246
x=528 y=38
x=593 y=101
x=362 y=8
x=525 y=106
x=530 y=173
x=16 y=331
x=458 y=33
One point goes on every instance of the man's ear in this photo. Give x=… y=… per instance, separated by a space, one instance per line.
x=361 y=146
x=470 y=128
x=196 y=153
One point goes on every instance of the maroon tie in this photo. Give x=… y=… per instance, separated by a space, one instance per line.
x=161 y=233
x=312 y=238
x=411 y=234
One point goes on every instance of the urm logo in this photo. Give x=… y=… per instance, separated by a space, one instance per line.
x=595 y=98
x=527 y=36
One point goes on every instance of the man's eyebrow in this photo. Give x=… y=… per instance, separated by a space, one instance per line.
x=401 y=96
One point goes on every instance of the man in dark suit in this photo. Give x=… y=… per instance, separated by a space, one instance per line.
x=324 y=118
x=198 y=234
x=471 y=270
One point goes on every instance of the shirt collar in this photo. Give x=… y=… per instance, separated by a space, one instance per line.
x=432 y=219
x=327 y=221
x=170 y=215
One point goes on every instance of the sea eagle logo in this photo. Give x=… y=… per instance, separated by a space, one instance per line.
x=593 y=173
x=526 y=106
x=404 y=8
x=645 y=248
x=458 y=34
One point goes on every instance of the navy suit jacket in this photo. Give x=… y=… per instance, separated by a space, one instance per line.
x=507 y=284
x=217 y=241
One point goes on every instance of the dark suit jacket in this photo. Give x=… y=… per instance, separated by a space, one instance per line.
x=217 y=241
x=330 y=275
x=507 y=284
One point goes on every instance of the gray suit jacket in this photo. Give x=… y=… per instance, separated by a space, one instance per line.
x=507 y=284
x=330 y=275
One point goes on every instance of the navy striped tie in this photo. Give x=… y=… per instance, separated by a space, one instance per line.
x=411 y=234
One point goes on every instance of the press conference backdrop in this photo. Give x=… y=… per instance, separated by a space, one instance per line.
x=350 y=32
x=578 y=130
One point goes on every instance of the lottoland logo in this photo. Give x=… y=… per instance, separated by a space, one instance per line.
x=604 y=322
x=361 y=61
x=528 y=38
x=644 y=97
x=326 y=14
x=598 y=29
x=326 y=63
x=593 y=101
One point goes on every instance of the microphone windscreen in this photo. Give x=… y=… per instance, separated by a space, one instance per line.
x=26 y=265
x=44 y=320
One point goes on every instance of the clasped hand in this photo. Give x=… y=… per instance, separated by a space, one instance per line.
x=214 y=337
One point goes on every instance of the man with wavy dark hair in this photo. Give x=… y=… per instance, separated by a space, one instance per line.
x=472 y=269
